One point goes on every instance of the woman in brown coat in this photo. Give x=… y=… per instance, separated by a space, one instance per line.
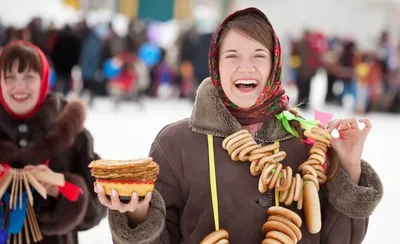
x=243 y=92
x=41 y=131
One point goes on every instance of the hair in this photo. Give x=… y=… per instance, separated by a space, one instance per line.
x=26 y=56
x=252 y=25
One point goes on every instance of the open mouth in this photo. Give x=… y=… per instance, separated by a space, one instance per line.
x=21 y=97
x=246 y=85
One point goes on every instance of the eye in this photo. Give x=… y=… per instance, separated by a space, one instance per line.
x=10 y=78
x=260 y=56
x=231 y=56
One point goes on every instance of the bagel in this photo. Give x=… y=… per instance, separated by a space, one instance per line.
x=279 y=226
x=288 y=223
x=307 y=169
x=275 y=177
x=276 y=210
x=282 y=237
x=300 y=201
x=281 y=179
x=317 y=157
x=312 y=208
x=270 y=241
x=258 y=156
x=321 y=146
x=317 y=137
x=226 y=140
x=322 y=132
x=299 y=188
x=316 y=150
x=255 y=169
x=215 y=236
x=309 y=162
x=223 y=241
x=290 y=196
x=266 y=149
x=235 y=150
x=313 y=179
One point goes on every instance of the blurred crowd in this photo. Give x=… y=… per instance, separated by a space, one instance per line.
x=96 y=61
x=371 y=78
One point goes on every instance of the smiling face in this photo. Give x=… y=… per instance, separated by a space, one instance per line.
x=244 y=67
x=20 y=90
x=21 y=81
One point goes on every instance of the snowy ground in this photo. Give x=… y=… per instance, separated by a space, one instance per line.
x=128 y=133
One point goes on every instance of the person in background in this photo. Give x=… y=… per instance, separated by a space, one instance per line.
x=41 y=131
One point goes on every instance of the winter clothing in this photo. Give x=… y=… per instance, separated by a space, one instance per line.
x=55 y=132
x=181 y=150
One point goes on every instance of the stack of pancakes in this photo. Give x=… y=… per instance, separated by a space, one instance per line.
x=126 y=176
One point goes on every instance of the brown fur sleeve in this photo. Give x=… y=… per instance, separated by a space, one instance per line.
x=66 y=215
x=147 y=232
x=355 y=201
x=84 y=155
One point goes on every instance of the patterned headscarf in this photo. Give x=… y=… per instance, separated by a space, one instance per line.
x=273 y=99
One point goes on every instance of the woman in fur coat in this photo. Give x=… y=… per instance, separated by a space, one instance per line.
x=244 y=92
x=40 y=131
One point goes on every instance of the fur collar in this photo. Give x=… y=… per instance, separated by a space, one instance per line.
x=60 y=122
x=210 y=116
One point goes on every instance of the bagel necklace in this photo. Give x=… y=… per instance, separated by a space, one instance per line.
x=283 y=225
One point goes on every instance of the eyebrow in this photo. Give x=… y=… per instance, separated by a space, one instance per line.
x=230 y=51
x=257 y=50
x=262 y=50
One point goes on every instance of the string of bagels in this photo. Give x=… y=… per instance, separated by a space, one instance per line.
x=283 y=225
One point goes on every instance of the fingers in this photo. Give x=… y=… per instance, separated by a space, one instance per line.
x=368 y=125
x=102 y=197
x=30 y=168
x=136 y=204
x=146 y=199
x=342 y=124
x=115 y=202
x=36 y=168
x=332 y=125
x=350 y=121
x=41 y=167
x=45 y=185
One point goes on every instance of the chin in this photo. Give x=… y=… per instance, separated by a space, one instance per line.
x=20 y=111
x=244 y=103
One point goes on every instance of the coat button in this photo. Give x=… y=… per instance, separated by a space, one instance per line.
x=23 y=142
x=22 y=128
x=263 y=201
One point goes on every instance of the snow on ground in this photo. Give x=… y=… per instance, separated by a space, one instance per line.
x=128 y=133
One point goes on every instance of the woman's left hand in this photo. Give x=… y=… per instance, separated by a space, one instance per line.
x=350 y=143
x=52 y=190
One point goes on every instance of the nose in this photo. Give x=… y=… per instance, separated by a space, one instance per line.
x=246 y=66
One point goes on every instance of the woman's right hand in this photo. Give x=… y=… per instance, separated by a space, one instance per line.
x=140 y=208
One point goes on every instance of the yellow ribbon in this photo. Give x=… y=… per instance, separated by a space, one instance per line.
x=213 y=180
x=276 y=191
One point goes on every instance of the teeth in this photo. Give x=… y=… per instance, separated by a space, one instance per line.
x=246 y=82
x=21 y=96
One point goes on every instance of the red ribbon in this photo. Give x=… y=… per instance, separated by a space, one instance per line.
x=69 y=191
